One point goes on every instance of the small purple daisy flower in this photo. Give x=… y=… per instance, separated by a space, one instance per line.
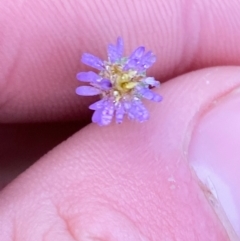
x=121 y=82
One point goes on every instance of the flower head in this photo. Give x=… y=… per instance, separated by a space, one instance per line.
x=121 y=83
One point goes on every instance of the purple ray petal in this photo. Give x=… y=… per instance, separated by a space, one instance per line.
x=141 y=112
x=150 y=95
x=126 y=105
x=148 y=60
x=138 y=111
x=146 y=93
x=88 y=76
x=92 y=61
x=112 y=53
x=151 y=81
x=97 y=105
x=157 y=98
x=107 y=114
x=97 y=117
x=119 y=114
x=131 y=64
x=105 y=84
x=134 y=58
x=137 y=53
x=87 y=91
x=120 y=46
x=115 y=52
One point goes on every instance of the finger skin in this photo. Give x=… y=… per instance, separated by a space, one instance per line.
x=123 y=182
x=41 y=43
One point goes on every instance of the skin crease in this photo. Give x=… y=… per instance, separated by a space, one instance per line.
x=102 y=181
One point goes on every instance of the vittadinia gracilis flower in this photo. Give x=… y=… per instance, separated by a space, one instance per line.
x=121 y=84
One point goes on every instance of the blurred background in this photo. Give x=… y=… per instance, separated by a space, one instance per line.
x=23 y=144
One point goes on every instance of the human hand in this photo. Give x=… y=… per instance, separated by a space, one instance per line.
x=130 y=181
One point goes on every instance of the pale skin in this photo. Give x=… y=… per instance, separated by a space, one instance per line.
x=113 y=183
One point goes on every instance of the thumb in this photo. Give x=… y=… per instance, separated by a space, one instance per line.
x=133 y=181
x=214 y=152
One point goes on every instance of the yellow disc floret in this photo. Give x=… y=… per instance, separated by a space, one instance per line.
x=123 y=81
